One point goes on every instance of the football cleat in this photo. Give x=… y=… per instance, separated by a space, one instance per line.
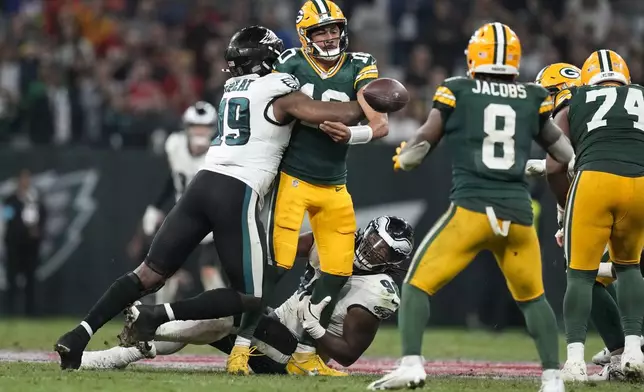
x=141 y=324
x=551 y=381
x=602 y=358
x=574 y=371
x=310 y=364
x=409 y=374
x=237 y=362
x=632 y=365
x=70 y=348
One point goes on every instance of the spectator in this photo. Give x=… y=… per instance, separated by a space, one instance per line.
x=24 y=216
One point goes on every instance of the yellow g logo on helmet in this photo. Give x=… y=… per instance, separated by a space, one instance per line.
x=558 y=76
x=319 y=13
x=605 y=66
x=494 y=49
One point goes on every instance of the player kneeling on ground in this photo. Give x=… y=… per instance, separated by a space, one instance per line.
x=370 y=295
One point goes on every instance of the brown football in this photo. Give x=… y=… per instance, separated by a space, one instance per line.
x=386 y=95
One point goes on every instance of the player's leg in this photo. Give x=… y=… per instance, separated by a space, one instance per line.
x=587 y=227
x=519 y=258
x=333 y=222
x=449 y=247
x=625 y=246
x=606 y=318
x=179 y=234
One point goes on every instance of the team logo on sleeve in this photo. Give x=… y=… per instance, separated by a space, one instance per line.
x=291 y=83
x=382 y=313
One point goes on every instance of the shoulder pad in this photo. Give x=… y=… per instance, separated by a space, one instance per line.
x=175 y=140
x=276 y=84
x=361 y=59
x=287 y=61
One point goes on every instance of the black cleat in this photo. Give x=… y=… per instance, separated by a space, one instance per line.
x=141 y=323
x=70 y=348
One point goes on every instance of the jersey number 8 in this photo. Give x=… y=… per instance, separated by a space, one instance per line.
x=503 y=137
x=235 y=130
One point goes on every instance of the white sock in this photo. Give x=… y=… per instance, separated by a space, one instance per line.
x=87 y=328
x=169 y=312
x=113 y=358
x=304 y=349
x=550 y=374
x=412 y=360
x=242 y=342
x=195 y=331
x=576 y=352
x=632 y=343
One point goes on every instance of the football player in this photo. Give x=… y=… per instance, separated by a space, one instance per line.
x=604 y=119
x=369 y=296
x=557 y=78
x=314 y=169
x=489 y=121
x=186 y=152
x=225 y=197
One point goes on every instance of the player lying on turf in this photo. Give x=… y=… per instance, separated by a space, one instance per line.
x=369 y=296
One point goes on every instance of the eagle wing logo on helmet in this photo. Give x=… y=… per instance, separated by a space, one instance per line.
x=70 y=204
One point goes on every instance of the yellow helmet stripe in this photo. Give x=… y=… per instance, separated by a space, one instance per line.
x=500 y=38
x=605 y=63
x=321 y=7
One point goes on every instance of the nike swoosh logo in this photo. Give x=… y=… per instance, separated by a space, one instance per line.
x=338 y=188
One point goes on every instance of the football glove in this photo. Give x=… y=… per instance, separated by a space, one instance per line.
x=535 y=168
x=309 y=315
x=395 y=157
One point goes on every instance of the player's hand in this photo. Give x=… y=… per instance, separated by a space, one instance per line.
x=152 y=219
x=559 y=237
x=339 y=132
x=309 y=315
x=535 y=167
x=395 y=157
x=560 y=222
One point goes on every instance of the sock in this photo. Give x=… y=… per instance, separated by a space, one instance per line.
x=578 y=301
x=542 y=326
x=240 y=341
x=210 y=304
x=605 y=317
x=412 y=318
x=119 y=295
x=630 y=292
x=327 y=285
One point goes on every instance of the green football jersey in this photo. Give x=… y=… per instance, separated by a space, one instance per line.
x=312 y=155
x=607 y=128
x=489 y=128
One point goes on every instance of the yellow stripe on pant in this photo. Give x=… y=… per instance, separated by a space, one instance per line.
x=459 y=235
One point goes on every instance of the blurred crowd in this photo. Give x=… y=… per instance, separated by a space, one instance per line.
x=119 y=73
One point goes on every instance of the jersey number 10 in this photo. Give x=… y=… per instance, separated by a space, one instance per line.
x=235 y=130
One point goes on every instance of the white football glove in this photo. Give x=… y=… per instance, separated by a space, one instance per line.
x=152 y=218
x=309 y=315
x=535 y=168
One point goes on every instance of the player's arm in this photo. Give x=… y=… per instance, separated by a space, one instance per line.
x=556 y=172
x=360 y=327
x=298 y=105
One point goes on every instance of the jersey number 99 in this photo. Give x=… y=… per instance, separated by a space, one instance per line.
x=235 y=130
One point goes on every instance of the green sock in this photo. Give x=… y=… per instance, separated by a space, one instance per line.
x=605 y=317
x=250 y=320
x=326 y=285
x=412 y=318
x=578 y=301
x=612 y=290
x=542 y=326
x=630 y=293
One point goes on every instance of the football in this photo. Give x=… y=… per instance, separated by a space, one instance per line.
x=386 y=95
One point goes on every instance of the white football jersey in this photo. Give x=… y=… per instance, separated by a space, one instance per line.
x=250 y=142
x=377 y=294
x=183 y=165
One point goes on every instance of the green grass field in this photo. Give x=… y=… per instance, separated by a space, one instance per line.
x=20 y=335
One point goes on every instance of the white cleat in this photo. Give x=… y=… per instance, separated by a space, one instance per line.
x=602 y=358
x=551 y=381
x=632 y=365
x=574 y=371
x=409 y=374
x=610 y=372
x=117 y=357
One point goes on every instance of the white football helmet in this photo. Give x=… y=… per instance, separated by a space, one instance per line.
x=200 y=121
